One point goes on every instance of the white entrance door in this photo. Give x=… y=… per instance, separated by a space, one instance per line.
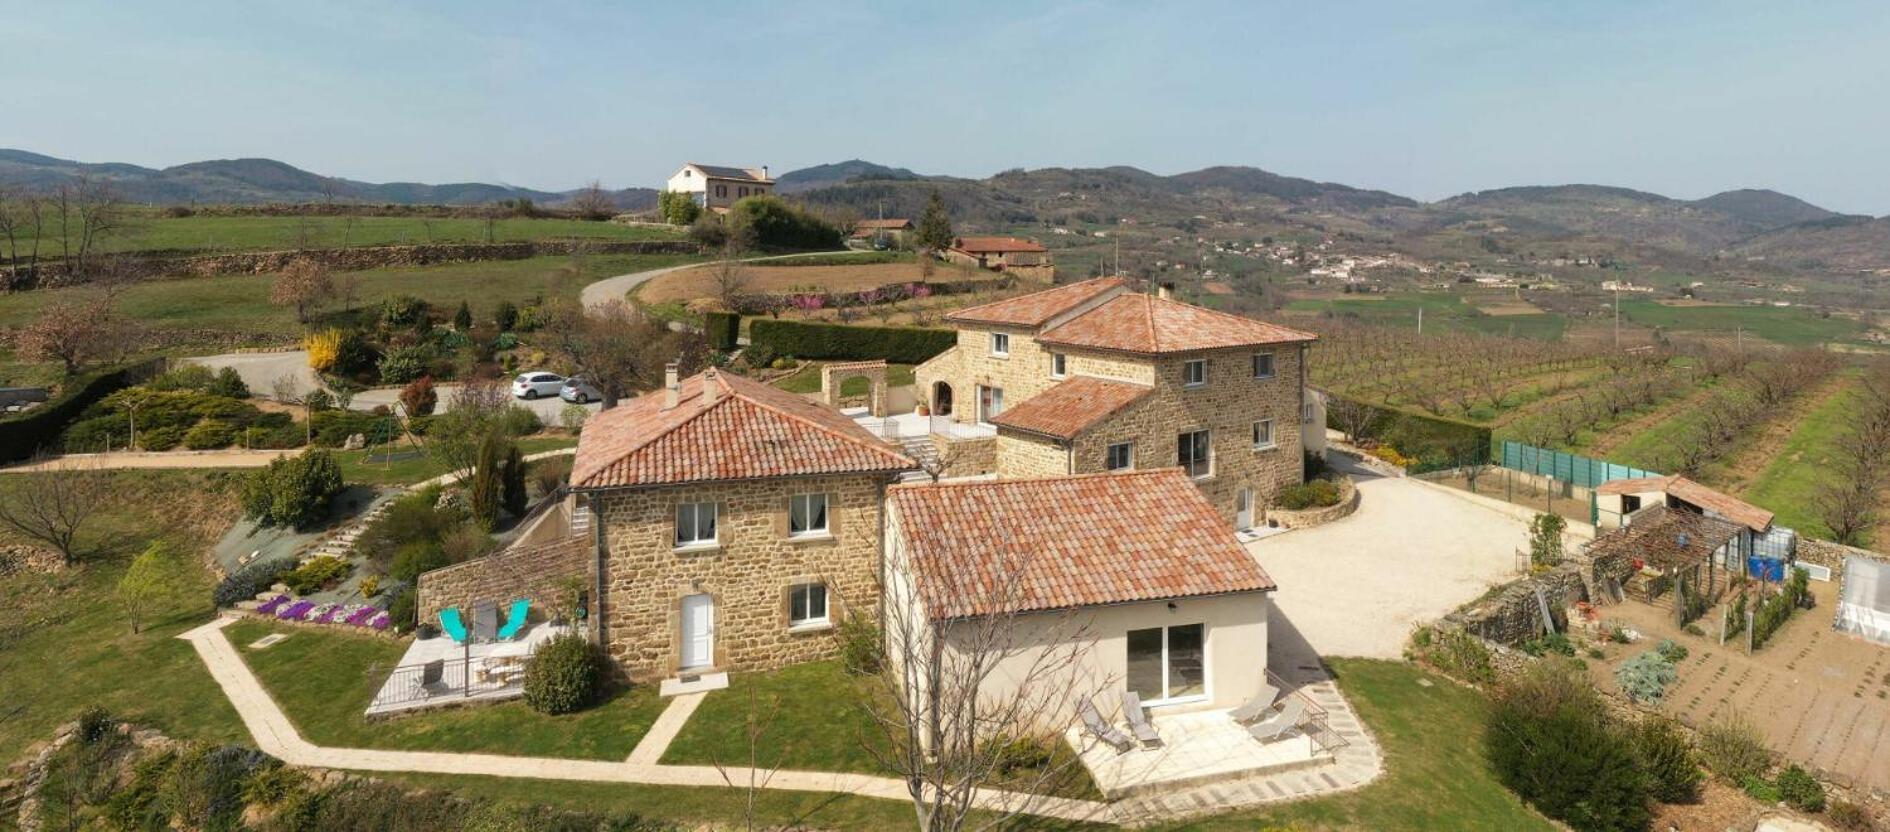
x=1243 y=509
x=698 y=631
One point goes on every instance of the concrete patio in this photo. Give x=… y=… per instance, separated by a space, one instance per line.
x=496 y=671
x=1197 y=748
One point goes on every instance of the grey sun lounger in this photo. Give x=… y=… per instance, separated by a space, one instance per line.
x=1138 y=721
x=1272 y=727
x=1257 y=706
x=1094 y=723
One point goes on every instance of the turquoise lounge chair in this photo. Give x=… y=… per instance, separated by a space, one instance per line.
x=451 y=624
x=515 y=619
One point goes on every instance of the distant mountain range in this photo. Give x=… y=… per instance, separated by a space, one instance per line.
x=1759 y=225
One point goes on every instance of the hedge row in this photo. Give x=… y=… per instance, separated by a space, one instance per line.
x=1435 y=442
x=723 y=328
x=23 y=435
x=820 y=341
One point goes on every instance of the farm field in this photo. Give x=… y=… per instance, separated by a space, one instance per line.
x=1443 y=312
x=1789 y=484
x=199 y=309
x=689 y=284
x=1791 y=326
x=150 y=232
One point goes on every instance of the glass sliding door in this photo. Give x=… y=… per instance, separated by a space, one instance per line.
x=1168 y=663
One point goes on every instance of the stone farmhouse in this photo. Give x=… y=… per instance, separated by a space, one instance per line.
x=1025 y=258
x=716 y=187
x=1092 y=376
x=895 y=229
x=735 y=524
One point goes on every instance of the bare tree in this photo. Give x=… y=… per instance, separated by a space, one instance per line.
x=620 y=350
x=54 y=506
x=964 y=678
x=305 y=285
x=1354 y=417
x=22 y=220
x=77 y=331
x=731 y=277
x=593 y=202
x=85 y=213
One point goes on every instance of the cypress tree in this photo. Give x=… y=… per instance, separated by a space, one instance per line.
x=485 y=484
x=512 y=482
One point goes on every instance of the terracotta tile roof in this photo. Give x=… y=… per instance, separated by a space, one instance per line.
x=726 y=172
x=1666 y=537
x=1038 y=307
x=995 y=245
x=752 y=430
x=1073 y=406
x=1064 y=542
x=1720 y=503
x=891 y=224
x=1150 y=325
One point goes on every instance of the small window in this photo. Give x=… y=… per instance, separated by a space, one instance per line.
x=1193 y=452
x=721 y=190
x=1263 y=365
x=1263 y=433
x=1121 y=456
x=1194 y=373
x=1059 y=365
x=1000 y=343
x=695 y=524
x=807 y=605
x=807 y=515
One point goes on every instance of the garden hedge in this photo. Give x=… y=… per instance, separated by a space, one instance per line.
x=723 y=328
x=23 y=435
x=821 y=341
x=1434 y=441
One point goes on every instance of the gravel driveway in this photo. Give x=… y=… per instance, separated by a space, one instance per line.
x=1411 y=553
x=261 y=369
x=548 y=408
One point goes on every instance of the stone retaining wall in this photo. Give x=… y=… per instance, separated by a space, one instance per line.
x=539 y=573
x=1828 y=554
x=20 y=559
x=344 y=259
x=1512 y=615
x=1308 y=518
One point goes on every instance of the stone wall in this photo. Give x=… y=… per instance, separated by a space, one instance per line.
x=346 y=259
x=1828 y=554
x=1024 y=455
x=540 y=573
x=1513 y=615
x=16 y=559
x=748 y=573
x=1308 y=518
x=969 y=457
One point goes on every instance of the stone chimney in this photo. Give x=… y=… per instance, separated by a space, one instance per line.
x=1165 y=290
x=764 y=171
x=711 y=388
x=672 y=387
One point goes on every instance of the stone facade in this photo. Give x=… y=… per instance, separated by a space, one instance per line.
x=748 y=572
x=1227 y=406
x=541 y=573
x=968 y=457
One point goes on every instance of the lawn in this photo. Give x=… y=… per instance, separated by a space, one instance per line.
x=807 y=380
x=1435 y=775
x=1789 y=486
x=358 y=466
x=324 y=680
x=240 y=303
x=1790 y=326
x=810 y=716
x=226 y=233
x=65 y=644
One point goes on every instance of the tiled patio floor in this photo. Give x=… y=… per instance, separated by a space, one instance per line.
x=403 y=690
x=1199 y=747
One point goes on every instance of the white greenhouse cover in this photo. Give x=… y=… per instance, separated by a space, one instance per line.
x=1864 y=608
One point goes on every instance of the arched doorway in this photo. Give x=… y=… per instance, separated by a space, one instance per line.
x=941 y=399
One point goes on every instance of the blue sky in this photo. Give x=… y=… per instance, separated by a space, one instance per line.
x=1425 y=99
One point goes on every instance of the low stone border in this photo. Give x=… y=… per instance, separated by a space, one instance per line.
x=1310 y=517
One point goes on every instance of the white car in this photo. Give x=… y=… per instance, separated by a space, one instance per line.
x=533 y=385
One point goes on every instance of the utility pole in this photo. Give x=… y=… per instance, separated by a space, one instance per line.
x=1420 y=320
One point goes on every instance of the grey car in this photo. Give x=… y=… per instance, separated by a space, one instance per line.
x=579 y=391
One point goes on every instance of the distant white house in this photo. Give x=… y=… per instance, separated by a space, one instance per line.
x=716 y=187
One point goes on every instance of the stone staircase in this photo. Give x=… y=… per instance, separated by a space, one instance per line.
x=341 y=544
x=580 y=520
x=922 y=449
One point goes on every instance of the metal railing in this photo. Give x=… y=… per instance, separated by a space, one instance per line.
x=448 y=679
x=1314 y=721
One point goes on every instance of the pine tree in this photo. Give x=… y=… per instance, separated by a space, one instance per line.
x=935 y=225
x=462 y=320
x=512 y=482
x=485 y=484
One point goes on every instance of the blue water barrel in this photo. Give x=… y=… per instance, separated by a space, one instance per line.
x=1766 y=569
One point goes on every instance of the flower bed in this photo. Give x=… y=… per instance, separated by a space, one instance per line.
x=363 y=616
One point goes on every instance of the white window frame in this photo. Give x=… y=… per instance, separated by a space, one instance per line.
x=1128 y=456
x=1271 y=440
x=804 y=503
x=1207 y=679
x=1059 y=365
x=1188 y=369
x=695 y=526
x=1272 y=366
x=1207 y=437
x=996 y=394
x=810 y=621
x=1001 y=345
